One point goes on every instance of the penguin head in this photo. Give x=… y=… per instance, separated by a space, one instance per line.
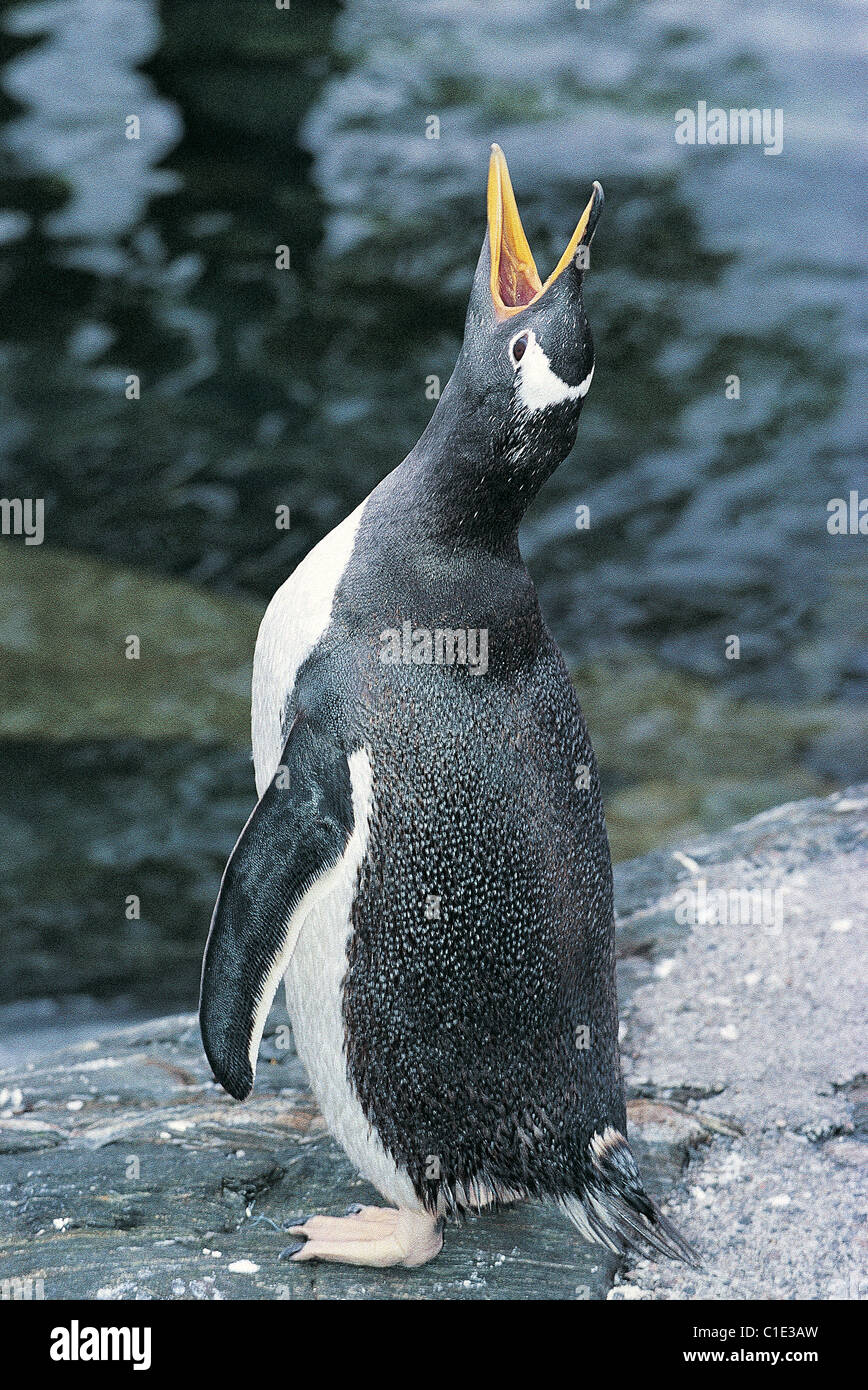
x=528 y=355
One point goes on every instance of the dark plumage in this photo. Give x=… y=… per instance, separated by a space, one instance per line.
x=477 y=1013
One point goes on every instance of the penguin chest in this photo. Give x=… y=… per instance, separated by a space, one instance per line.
x=481 y=954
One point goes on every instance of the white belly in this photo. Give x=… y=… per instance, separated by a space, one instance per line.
x=294 y=622
x=314 y=999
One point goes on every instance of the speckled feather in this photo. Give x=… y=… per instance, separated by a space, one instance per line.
x=462 y=1027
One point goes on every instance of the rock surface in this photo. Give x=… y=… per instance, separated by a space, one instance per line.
x=125 y=1172
x=130 y=1174
x=761 y=1019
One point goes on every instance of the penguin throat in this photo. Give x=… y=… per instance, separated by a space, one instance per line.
x=467 y=484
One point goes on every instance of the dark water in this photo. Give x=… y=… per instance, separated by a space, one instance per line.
x=307 y=128
x=260 y=387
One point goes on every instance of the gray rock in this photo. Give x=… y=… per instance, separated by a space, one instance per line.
x=125 y=1172
x=762 y=1025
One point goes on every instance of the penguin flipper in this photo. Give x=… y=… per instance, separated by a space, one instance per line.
x=298 y=830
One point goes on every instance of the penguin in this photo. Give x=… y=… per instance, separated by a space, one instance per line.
x=427 y=867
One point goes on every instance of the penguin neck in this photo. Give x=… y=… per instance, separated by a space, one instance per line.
x=461 y=484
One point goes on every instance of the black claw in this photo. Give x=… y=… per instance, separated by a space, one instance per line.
x=294 y=1221
x=291 y=1250
x=353 y=1209
x=256 y=1219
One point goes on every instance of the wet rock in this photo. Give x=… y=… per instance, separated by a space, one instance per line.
x=65 y=621
x=132 y=1175
x=125 y=1172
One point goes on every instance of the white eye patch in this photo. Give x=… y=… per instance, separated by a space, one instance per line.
x=538 y=385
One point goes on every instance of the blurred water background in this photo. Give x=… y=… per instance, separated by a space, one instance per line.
x=263 y=387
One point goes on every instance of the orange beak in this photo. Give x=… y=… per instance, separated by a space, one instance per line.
x=515 y=280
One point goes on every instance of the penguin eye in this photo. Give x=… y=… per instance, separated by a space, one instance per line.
x=518 y=347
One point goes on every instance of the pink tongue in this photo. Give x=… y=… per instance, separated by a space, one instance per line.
x=526 y=292
x=515 y=288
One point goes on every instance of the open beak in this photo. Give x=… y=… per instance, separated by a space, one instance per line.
x=515 y=280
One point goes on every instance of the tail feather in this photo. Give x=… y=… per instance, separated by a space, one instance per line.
x=614 y=1209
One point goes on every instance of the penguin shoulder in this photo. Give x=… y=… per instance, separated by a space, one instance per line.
x=295 y=621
